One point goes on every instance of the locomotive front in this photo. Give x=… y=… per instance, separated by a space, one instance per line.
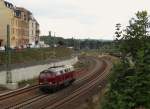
x=56 y=77
x=47 y=80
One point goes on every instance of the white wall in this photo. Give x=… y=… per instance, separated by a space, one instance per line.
x=33 y=71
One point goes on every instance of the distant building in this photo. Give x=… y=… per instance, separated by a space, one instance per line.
x=24 y=29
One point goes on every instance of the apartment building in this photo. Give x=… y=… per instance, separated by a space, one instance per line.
x=21 y=24
x=6 y=18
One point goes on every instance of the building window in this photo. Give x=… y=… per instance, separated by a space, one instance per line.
x=1 y=42
x=18 y=13
x=12 y=22
x=24 y=17
x=16 y=22
x=16 y=31
x=12 y=30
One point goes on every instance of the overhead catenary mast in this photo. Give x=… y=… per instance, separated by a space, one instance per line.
x=8 y=54
x=54 y=54
x=9 y=81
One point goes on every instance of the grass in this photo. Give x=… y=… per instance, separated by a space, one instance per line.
x=33 y=81
x=94 y=53
x=38 y=54
x=3 y=88
x=96 y=104
x=80 y=65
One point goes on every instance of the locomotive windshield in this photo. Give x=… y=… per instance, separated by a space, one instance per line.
x=47 y=71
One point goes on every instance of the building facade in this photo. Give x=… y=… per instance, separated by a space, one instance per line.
x=19 y=20
x=22 y=24
x=6 y=18
x=33 y=31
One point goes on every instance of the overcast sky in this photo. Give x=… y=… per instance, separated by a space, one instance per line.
x=82 y=18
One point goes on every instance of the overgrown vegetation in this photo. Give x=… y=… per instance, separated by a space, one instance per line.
x=37 y=54
x=129 y=86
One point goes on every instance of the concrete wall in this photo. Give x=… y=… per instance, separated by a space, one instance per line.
x=32 y=71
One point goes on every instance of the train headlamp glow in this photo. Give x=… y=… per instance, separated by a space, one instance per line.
x=50 y=82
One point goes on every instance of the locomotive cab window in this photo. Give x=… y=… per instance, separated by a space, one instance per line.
x=61 y=72
x=66 y=70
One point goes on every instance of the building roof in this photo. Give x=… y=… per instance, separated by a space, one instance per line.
x=17 y=10
x=23 y=10
x=9 y=5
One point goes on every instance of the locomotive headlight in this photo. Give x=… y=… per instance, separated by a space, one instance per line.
x=50 y=83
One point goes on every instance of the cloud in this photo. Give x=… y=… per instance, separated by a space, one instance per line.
x=87 y=18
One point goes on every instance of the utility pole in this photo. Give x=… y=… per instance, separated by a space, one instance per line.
x=79 y=44
x=74 y=43
x=50 y=34
x=8 y=54
x=54 y=45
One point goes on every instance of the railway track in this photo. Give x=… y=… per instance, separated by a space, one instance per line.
x=18 y=96
x=17 y=92
x=22 y=90
x=54 y=102
x=8 y=100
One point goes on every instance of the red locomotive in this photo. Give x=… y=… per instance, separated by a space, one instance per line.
x=56 y=77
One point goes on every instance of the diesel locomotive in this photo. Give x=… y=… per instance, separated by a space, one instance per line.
x=54 y=78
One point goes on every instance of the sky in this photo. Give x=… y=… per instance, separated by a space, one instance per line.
x=94 y=19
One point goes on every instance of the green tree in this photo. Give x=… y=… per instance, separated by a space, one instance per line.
x=130 y=81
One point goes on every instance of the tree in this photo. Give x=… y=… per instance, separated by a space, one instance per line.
x=61 y=43
x=130 y=81
x=118 y=31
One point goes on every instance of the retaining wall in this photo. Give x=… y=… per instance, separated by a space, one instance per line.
x=30 y=72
